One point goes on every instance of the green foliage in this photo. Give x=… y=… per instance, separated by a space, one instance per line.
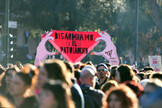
x=118 y=17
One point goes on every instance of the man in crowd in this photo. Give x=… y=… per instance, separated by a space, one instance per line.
x=103 y=73
x=93 y=97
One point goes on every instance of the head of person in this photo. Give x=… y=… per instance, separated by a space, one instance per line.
x=148 y=69
x=102 y=70
x=111 y=83
x=141 y=75
x=88 y=76
x=56 y=94
x=157 y=75
x=52 y=69
x=70 y=70
x=10 y=72
x=121 y=97
x=89 y=63
x=23 y=80
x=124 y=73
x=113 y=72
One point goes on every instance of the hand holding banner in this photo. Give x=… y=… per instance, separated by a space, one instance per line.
x=109 y=53
x=42 y=53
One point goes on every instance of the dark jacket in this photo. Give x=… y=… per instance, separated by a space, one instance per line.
x=77 y=95
x=93 y=97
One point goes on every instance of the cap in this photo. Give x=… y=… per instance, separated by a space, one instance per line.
x=102 y=64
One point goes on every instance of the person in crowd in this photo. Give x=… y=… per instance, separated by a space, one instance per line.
x=152 y=97
x=52 y=69
x=141 y=75
x=4 y=103
x=113 y=72
x=124 y=73
x=21 y=85
x=56 y=94
x=6 y=81
x=77 y=75
x=146 y=69
x=103 y=73
x=111 y=83
x=93 y=97
x=89 y=63
x=157 y=75
x=76 y=91
x=120 y=97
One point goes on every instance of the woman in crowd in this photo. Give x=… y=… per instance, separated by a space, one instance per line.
x=124 y=73
x=10 y=72
x=20 y=87
x=56 y=94
x=121 y=97
x=51 y=69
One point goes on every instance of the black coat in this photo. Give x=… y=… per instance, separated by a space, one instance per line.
x=93 y=97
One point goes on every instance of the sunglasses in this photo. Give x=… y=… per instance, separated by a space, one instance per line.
x=102 y=70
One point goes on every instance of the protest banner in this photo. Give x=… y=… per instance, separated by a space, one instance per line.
x=155 y=63
x=73 y=45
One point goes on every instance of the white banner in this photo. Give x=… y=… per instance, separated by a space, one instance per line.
x=155 y=63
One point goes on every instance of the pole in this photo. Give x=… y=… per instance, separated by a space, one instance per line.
x=136 y=37
x=6 y=32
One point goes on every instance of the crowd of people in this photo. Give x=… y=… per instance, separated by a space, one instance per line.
x=61 y=84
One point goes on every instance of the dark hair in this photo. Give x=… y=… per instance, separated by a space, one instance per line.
x=157 y=75
x=107 y=64
x=135 y=71
x=77 y=74
x=89 y=63
x=56 y=70
x=148 y=69
x=105 y=87
x=125 y=94
x=113 y=72
x=27 y=73
x=141 y=75
x=69 y=66
x=126 y=72
x=61 y=93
